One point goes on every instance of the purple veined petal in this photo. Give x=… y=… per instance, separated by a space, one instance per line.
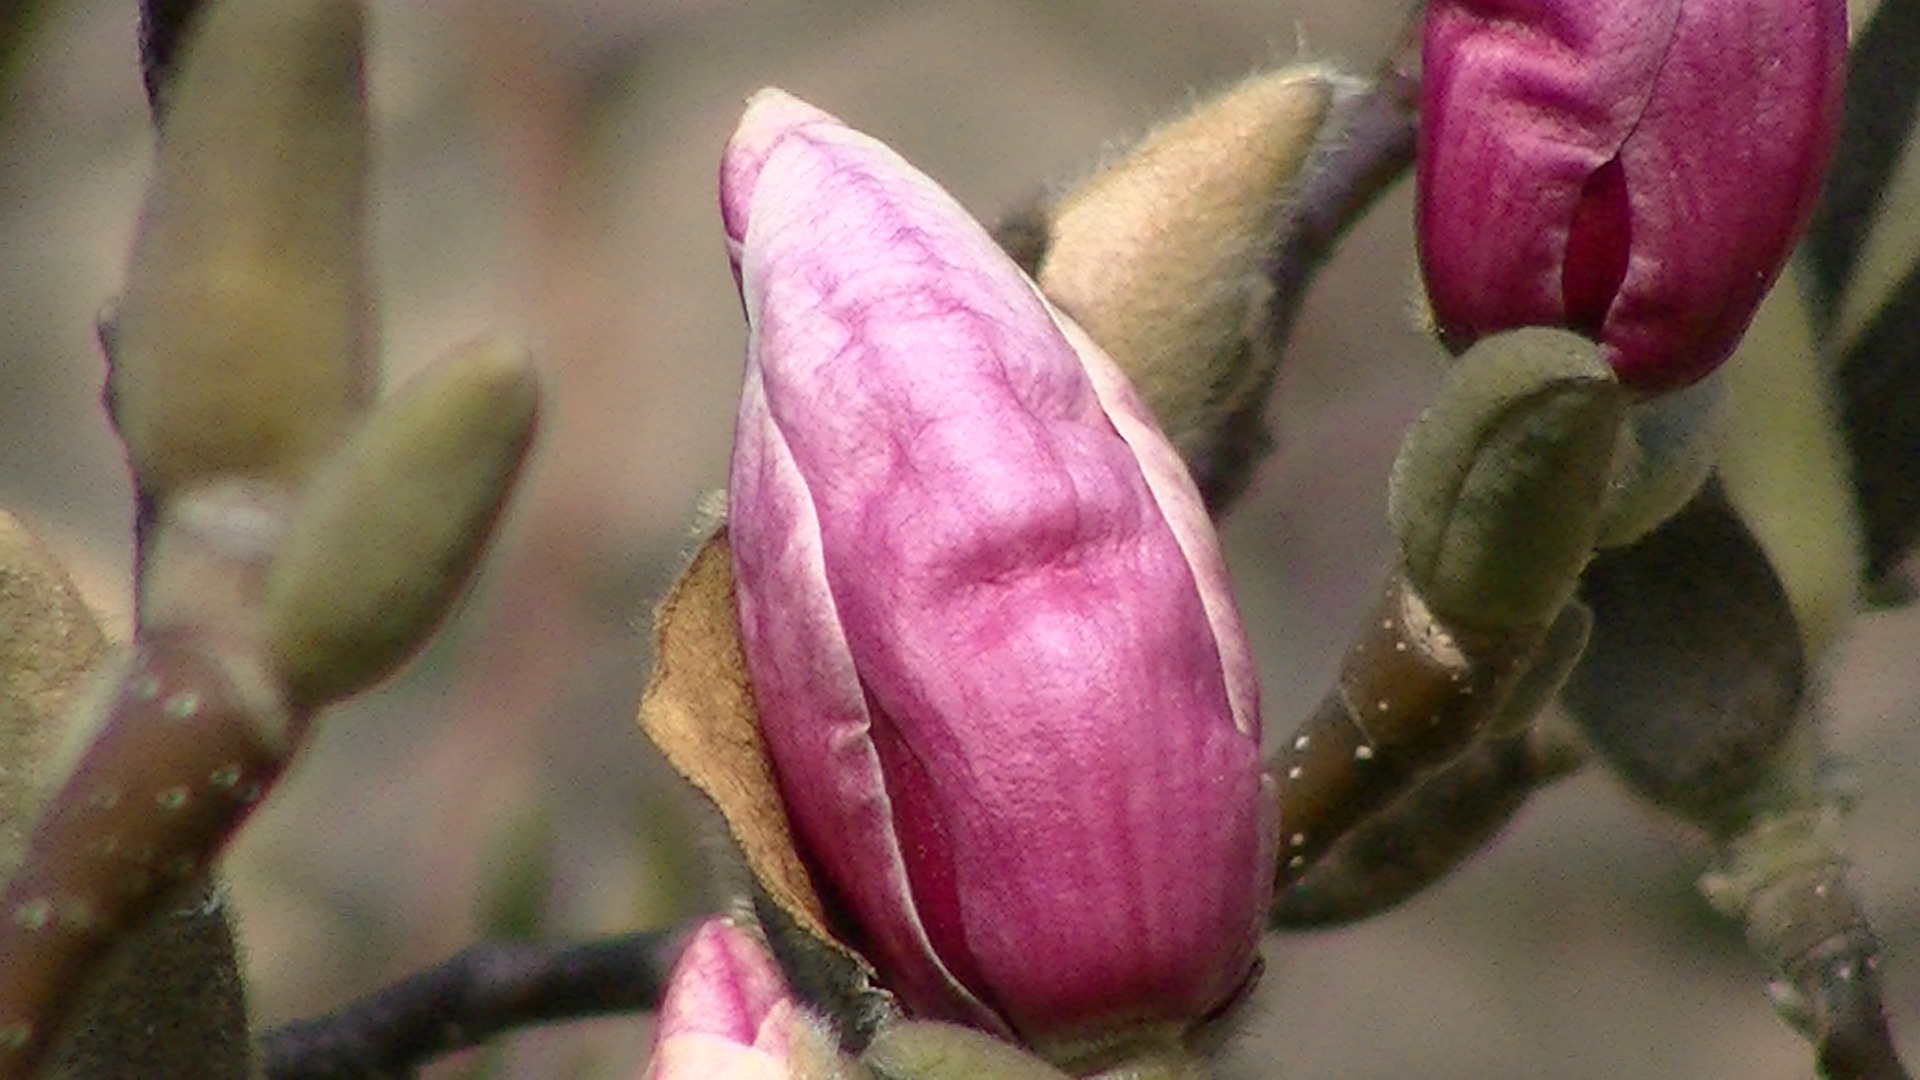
x=1186 y=514
x=771 y=116
x=1522 y=103
x=952 y=563
x=1765 y=77
x=1636 y=170
x=799 y=657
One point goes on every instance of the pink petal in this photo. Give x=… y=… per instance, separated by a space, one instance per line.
x=987 y=626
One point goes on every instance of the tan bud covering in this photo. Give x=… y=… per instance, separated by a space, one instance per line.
x=1158 y=253
x=49 y=643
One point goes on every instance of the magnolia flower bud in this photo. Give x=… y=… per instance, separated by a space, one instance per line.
x=1635 y=170
x=999 y=674
x=726 y=1014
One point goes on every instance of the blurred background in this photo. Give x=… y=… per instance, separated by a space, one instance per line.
x=546 y=168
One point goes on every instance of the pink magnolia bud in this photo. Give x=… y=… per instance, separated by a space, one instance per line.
x=726 y=1014
x=1635 y=170
x=987 y=623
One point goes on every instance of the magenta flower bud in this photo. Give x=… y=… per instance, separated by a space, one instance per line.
x=1634 y=170
x=999 y=673
x=726 y=1014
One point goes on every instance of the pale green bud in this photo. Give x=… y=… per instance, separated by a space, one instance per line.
x=394 y=525
x=241 y=345
x=1497 y=492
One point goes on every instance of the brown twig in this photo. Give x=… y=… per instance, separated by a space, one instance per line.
x=1427 y=833
x=1412 y=695
x=181 y=760
x=1783 y=875
x=1370 y=148
x=487 y=989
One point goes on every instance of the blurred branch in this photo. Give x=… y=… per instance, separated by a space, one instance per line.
x=19 y=19
x=1882 y=95
x=1694 y=691
x=1879 y=387
x=487 y=989
x=1783 y=875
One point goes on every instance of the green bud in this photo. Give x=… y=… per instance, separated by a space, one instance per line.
x=925 y=1050
x=1496 y=495
x=242 y=343
x=394 y=525
x=1668 y=445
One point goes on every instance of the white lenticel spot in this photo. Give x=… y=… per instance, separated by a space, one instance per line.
x=1363 y=753
x=34 y=914
x=182 y=706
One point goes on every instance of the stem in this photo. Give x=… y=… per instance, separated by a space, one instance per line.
x=1371 y=147
x=487 y=989
x=1412 y=695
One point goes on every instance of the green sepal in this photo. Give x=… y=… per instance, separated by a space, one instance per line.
x=1497 y=493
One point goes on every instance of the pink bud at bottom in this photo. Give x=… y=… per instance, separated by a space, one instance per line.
x=727 y=1013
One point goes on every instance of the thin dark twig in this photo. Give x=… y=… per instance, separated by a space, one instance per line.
x=163 y=25
x=1372 y=145
x=487 y=989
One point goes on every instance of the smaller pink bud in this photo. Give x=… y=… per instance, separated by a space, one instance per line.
x=1633 y=170
x=727 y=1014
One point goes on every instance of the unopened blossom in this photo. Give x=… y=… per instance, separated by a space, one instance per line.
x=726 y=1014
x=1635 y=170
x=1000 y=677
